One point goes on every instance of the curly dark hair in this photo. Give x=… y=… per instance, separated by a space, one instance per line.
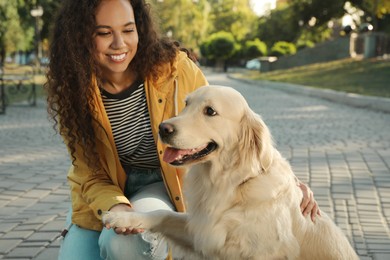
x=70 y=85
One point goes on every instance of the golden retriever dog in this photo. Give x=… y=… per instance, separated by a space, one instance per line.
x=243 y=201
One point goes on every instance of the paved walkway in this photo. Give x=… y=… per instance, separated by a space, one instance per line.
x=33 y=193
x=342 y=152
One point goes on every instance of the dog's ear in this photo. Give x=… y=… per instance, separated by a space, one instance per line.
x=256 y=142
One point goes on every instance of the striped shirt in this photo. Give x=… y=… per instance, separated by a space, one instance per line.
x=129 y=117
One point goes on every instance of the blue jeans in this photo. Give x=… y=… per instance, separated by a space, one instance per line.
x=84 y=244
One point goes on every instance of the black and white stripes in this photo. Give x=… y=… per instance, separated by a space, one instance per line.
x=129 y=117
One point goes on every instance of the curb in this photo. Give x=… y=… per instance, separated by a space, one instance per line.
x=355 y=100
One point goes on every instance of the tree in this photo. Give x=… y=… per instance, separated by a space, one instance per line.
x=50 y=8
x=317 y=12
x=279 y=25
x=16 y=35
x=323 y=11
x=305 y=22
x=2 y=36
x=183 y=20
x=376 y=12
x=220 y=47
x=190 y=21
x=235 y=16
x=17 y=30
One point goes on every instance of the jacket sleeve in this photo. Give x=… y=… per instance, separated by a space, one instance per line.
x=99 y=190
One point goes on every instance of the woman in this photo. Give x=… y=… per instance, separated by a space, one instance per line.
x=111 y=81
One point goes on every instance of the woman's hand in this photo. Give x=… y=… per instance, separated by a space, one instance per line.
x=309 y=204
x=123 y=230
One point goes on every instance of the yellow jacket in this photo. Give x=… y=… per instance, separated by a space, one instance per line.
x=94 y=193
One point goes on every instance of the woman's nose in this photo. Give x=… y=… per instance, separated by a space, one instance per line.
x=118 y=41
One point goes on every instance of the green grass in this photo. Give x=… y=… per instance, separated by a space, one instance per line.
x=369 y=77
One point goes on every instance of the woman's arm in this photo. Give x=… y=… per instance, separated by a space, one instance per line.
x=97 y=189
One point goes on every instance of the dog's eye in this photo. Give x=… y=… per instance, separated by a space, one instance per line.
x=210 y=111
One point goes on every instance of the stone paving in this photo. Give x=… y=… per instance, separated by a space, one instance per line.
x=34 y=196
x=342 y=152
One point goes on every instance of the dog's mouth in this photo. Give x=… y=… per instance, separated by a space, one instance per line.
x=177 y=156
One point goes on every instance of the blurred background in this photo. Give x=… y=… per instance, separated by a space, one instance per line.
x=265 y=37
x=246 y=29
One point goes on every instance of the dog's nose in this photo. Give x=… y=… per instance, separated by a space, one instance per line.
x=166 y=130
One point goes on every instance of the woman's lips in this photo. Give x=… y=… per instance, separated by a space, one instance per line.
x=117 y=57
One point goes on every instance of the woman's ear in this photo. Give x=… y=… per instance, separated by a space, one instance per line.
x=256 y=142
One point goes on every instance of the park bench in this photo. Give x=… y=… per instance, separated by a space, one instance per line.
x=17 y=83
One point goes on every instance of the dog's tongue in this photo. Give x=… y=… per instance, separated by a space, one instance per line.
x=171 y=154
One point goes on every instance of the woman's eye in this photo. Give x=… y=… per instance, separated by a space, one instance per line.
x=128 y=31
x=103 y=33
x=210 y=111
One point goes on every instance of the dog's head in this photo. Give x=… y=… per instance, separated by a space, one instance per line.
x=216 y=123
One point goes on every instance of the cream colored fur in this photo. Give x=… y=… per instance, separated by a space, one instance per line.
x=242 y=199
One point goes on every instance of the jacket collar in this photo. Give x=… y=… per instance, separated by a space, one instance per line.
x=168 y=71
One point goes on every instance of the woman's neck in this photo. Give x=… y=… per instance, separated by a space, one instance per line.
x=116 y=83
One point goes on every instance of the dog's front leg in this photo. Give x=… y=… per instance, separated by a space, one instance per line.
x=172 y=225
x=157 y=221
x=127 y=219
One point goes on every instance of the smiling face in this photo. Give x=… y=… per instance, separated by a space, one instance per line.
x=116 y=36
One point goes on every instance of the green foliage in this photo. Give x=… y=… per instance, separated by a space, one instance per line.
x=233 y=16
x=220 y=45
x=16 y=34
x=50 y=9
x=183 y=20
x=309 y=36
x=376 y=12
x=318 y=12
x=192 y=21
x=279 y=25
x=17 y=26
x=377 y=8
x=302 y=44
x=307 y=20
x=303 y=22
x=283 y=48
x=255 y=48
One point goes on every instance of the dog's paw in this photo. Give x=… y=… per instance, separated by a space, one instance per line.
x=113 y=219
x=122 y=219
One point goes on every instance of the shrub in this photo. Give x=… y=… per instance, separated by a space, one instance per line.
x=283 y=48
x=220 y=45
x=255 y=48
x=304 y=44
